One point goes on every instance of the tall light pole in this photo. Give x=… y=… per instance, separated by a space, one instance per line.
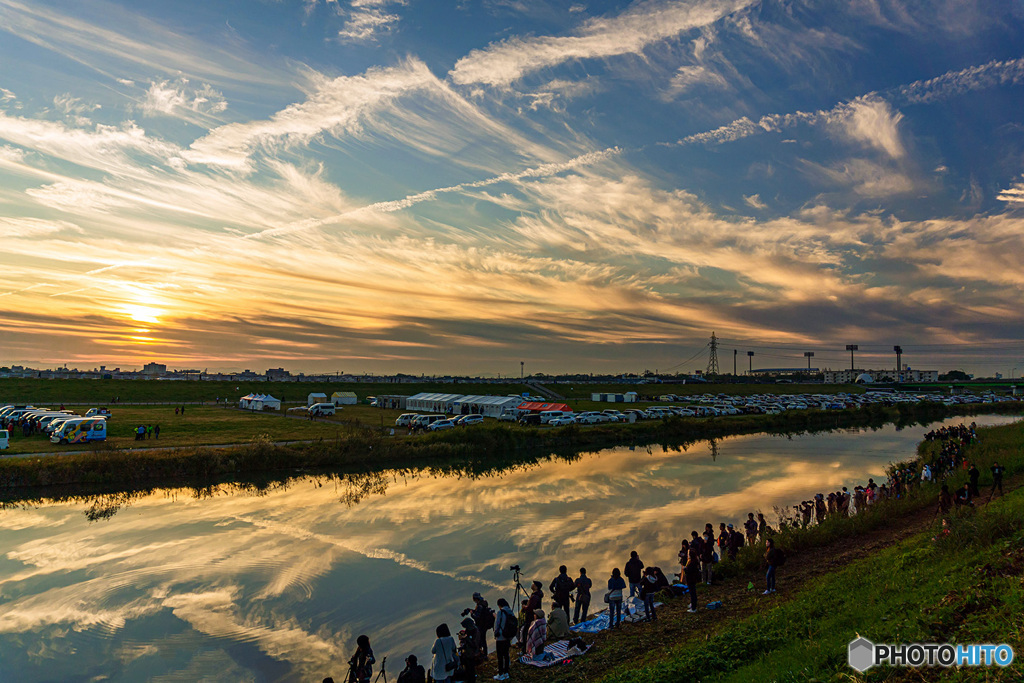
x=808 y=355
x=734 y=353
x=522 y=365
x=899 y=364
x=851 y=348
x=750 y=357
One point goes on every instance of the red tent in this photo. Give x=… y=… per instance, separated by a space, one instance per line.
x=534 y=407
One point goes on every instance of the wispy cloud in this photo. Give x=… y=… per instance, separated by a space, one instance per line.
x=367 y=19
x=643 y=24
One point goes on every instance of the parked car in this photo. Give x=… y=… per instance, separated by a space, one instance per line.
x=322 y=409
x=5 y=439
x=440 y=425
x=98 y=412
x=564 y=420
x=530 y=419
x=509 y=416
x=467 y=420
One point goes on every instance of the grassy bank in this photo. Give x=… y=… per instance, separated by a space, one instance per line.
x=891 y=578
x=354 y=446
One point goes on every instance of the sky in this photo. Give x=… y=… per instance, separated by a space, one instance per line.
x=455 y=187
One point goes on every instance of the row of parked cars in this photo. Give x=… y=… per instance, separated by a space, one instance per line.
x=61 y=426
x=436 y=422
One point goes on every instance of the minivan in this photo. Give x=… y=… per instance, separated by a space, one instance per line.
x=5 y=440
x=322 y=409
x=547 y=415
x=81 y=430
x=423 y=421
x=405 y=419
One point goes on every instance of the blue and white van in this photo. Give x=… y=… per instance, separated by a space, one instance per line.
x=81 y=430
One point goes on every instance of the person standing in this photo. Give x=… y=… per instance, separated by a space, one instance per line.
x=648 y=587
x=735 y=542
x=750 y=526
x=634 y=572
x=762 y=527
x=443 y=655
x=707 y=558
x=997 y=479
x=692 y=571
x=773 y=557
x=583 y=585
x=505 y=627
x=470 y=653
x=561 y=589
x=616 y=584
x=973 y=474
x=361 y=663
x=483 y=616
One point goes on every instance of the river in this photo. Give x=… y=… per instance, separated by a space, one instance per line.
x=236 y=585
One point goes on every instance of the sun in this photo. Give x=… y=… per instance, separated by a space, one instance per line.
x=143 y=314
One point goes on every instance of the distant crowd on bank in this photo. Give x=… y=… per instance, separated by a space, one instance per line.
x=531 y=627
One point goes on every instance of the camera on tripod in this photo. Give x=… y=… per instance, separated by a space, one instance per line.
x=515 y=568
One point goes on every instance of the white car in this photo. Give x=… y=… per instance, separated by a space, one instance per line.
x=441 y=425
x=467 y=420
x=564 y=420
x=589 y=418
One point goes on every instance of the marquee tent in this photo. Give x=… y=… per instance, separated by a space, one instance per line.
x=433 y=403
x=489 y=406
x=344 y=398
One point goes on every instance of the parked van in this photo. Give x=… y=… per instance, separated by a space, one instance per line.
x=81 y=430
x=98 y=412
x=548 y=415
x=322 y=409
x=5 y=440
x=405 y=419
x=424 y=421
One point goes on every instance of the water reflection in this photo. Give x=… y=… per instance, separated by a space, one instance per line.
x=274 y=582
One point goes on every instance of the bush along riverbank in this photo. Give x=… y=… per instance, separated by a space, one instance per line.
x=361 y=448
x=893 y=576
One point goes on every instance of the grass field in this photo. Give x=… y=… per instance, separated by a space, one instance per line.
x=205 y=425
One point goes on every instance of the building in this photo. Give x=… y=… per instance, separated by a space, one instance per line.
x=278 y=375
x=908 y=375
x=154 y=369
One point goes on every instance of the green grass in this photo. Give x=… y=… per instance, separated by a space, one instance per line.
x=960 y=588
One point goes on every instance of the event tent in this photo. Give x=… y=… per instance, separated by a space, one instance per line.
x=344 y=398
x=316 y=398
x=489 y=406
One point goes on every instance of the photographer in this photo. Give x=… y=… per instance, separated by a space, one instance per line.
x=561 y=588
x=413 y=671
x=505 y=628
x=583 y=586
x=483 y=616
x=470 y=654
x=361 y=663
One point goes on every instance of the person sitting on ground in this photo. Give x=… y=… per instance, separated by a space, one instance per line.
x=413 y=672
x=616 y=584
x=648 y=587
x=530 y=610
x=773 y=557
x=634 y=572
x=963 y=497
x=558 y=622
x=583 y=585
x=537 y=635
x=561 y=589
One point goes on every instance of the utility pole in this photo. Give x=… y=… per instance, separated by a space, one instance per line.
x=522 y=366
x=713 y=356
x=851 y=348
x=808 y=355
x=750 y=358
x=734 y=353
x=899 y=365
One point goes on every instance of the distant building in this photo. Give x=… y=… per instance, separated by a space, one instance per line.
x=908 y=375
x=154 y=369
x=278 y=375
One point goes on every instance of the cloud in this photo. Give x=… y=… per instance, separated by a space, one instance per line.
x=1013 y=195
x=179 y=98
x=630 y=32
x=686 y=77
x=368 y=19
x=864 y=177
x=754 y=200
x=22 y=228
x=871 y=121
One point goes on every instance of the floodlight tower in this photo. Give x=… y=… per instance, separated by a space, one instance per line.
x=851 y=348
x=750 y=358
x=808 y=355
x=899 y=365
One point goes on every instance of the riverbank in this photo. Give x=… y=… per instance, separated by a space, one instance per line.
x=359 y=448
x=882 y=577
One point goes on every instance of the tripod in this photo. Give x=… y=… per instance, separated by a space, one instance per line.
x=519 y=588
x=383 y=671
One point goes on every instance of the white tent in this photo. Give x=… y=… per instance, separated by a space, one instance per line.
x=433 y=403
x=267 y=402
x=344 y=398
x=244 y=402
x=316 y=398
x=489 y=406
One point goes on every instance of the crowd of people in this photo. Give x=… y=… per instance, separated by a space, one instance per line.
x=143 y=432
x=532 y=626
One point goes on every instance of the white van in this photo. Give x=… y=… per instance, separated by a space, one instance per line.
x=5 y=440
x=405 y=419
x=322 y=409
x=424 y=421
x=548 y=415
x=81 y=430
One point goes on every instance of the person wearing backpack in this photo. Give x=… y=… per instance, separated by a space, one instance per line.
x=707 y=557
x=471 y=654
x=445 y=659
x=483 y=616
x=775 y=558
x=505 y=628
x=692 y=573
x=561 y=588
x=634 y=571
x=616 y=584
x=583 y=586
x=735 y=542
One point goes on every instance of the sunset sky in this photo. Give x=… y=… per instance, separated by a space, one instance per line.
x=456 y=186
